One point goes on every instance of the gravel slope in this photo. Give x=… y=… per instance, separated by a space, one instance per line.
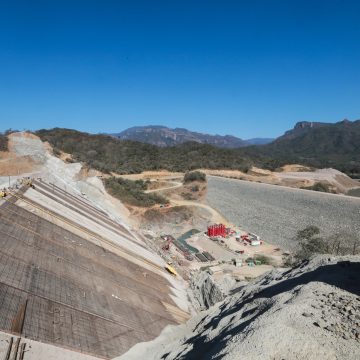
x=276 y=213
x=310 y=312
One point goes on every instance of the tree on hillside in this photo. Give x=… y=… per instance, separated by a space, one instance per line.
x=311 y=243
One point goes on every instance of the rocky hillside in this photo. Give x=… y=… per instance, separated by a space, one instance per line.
x=164 y=136
x=309 y=312
x=302 y=127
x=316 y=144
x=342 y=137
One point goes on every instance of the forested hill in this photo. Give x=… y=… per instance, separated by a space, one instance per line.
x=327 y=145
x=108 y=154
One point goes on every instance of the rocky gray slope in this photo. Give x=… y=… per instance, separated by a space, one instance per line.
x=276 y=213
x=309 y=312
x=206 y=291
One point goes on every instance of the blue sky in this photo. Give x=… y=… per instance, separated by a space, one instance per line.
x=247 y=68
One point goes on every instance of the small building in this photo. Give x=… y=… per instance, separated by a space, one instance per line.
x=255 y=242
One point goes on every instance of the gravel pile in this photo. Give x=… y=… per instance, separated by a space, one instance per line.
x=340 y=314
x=276 y=213
x=310 y=312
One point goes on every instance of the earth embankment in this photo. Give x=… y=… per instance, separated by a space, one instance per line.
x=276 y=213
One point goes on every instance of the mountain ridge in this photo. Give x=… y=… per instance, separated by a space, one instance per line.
x=327 y=146
x=303 y=127
x=335 y=145
x=160 y=135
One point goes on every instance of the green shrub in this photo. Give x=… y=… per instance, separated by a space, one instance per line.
x=265 y=260
x=311 y=243
x=3 y=142
x=319 y=186
x=313 y=246
x=132 y=192
x=194 y=176
x=307 y=233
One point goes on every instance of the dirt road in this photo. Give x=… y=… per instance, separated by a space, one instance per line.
x=216 y=217
x=174 y=185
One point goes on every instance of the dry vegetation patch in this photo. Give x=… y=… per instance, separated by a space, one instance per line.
x=132 y=192
x=155 y=185
x=194 y=191
x=174 y=215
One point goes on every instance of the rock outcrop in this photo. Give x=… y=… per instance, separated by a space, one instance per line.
x=206 y=291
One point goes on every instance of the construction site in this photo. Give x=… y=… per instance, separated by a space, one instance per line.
x=73 y=277
x=81 y=273
x=220 y=250
x=192 y=236
x=85 y=276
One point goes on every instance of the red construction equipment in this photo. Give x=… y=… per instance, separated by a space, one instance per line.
x=216 y=230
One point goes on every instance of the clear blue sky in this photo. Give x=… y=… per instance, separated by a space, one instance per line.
x=248 y=68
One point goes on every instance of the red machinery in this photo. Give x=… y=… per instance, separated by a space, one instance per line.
x=216 y=230
x=245 y=237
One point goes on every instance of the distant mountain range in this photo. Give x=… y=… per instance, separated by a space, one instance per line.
x=314 y=144
x=317 y=144
x=164 y=136
x=259 y=141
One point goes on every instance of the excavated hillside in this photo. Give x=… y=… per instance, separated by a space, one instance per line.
x=309 y=312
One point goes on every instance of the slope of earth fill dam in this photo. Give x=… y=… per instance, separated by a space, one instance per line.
x=73 y=277
x=278 y=212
